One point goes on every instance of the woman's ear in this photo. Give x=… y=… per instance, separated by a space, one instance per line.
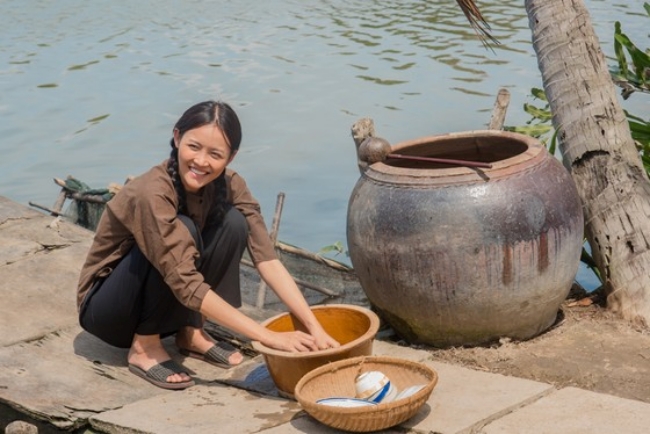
x=177 y=137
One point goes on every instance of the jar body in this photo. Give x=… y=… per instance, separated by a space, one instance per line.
x=460 y=256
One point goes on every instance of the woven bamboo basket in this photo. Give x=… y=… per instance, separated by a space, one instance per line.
x=337 y=379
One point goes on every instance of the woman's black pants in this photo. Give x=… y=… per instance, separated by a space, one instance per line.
x=134 y=299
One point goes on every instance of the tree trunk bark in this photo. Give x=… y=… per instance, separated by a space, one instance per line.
x=598 y=150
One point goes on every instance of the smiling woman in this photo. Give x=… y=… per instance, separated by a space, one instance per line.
x=166 y=255
x=203 y=154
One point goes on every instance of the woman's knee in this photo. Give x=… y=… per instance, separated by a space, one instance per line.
x=226 y=240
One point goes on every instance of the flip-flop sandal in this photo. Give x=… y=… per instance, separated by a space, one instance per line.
x=218 y=355
x=157 y=375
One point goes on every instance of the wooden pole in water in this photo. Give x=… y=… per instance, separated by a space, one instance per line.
x=499 y=111
x=261 y=291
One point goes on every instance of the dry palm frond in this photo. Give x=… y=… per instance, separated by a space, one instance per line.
x=477 y=21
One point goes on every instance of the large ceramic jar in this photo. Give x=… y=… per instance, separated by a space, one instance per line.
x=451 y=255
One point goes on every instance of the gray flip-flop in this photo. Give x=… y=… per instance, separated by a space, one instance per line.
x=218 y=355
x=157 y=375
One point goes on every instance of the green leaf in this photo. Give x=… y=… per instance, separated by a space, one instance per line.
x=541 y=114
x=337 y=247
x=640 y=127
x=620 y=54
x=532 y=130
x=539 y=94
x=640 y=60
x=640 y=130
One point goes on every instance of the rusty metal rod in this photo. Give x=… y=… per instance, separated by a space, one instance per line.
x=465 y=163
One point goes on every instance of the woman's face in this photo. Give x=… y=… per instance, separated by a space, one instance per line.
x=203 y=154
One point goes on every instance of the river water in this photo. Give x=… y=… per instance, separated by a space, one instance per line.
x=92 y=89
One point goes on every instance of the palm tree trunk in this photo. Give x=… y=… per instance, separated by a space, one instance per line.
x=598 y=150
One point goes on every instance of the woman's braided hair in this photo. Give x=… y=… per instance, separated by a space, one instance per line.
x=224 y=117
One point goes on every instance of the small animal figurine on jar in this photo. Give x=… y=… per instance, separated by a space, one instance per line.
x=374 y=386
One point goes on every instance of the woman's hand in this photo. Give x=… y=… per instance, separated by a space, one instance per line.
x=322 y=340
x=279 y=279
x=295 y=341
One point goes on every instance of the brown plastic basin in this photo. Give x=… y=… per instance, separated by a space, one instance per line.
x=354 y=327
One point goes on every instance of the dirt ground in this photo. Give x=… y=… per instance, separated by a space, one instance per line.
x=587 y=348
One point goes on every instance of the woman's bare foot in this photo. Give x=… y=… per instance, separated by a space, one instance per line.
x=147 y=351
x=197 y=340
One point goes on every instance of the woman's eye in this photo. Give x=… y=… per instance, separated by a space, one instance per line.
x=193 y=146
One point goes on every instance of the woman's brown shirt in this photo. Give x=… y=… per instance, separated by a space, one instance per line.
x=144 y=213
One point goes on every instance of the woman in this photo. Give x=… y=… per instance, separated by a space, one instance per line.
x=166 y=255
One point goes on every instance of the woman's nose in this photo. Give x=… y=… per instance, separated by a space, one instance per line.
x=200 y=158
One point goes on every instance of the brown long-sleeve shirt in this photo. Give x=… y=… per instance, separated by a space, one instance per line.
x=144 y=213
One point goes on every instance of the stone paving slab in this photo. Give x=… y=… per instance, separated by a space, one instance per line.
x=465 y=399
x=40 y=260
x=386 y=348
x=209 y=409
x=10 y=210
x=576 y=411
x=39 y=294
x=13 y=249
x=67 y=377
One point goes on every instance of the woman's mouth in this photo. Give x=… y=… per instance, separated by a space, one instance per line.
x=198 y=172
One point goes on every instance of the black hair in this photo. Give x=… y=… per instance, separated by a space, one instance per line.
x=223 y=116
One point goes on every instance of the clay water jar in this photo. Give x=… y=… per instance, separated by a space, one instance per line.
x=354 y=327
x=454 y=256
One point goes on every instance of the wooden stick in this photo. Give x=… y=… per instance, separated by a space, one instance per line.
x=288 y=248
x=261 y=291
x=275 y=226
x=361 y=130
x=58 y=205
x=44 y=208
x=499 y=111
x=465 y=163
